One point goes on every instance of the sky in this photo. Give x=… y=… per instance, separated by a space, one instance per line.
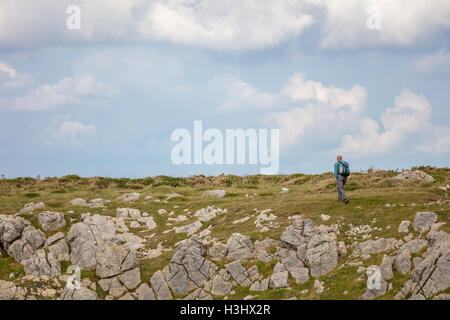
x=96 y=88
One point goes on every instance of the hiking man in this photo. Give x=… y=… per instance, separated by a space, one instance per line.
x=341 y=172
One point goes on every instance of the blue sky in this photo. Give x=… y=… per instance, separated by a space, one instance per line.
x=104 y=99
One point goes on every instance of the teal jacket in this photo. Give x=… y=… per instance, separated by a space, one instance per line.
x=336 y=168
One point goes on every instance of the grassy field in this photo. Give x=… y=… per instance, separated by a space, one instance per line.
x=375 y=199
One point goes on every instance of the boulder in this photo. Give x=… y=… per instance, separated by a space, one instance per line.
x=128 y=213
x=7 y=290
x=31 y=207
x=144 y=292
x=386 y=267
x=30 y=241
x=218 y=250
x=279 y=280
x=238 y=273
x=51 y=221
x=78 y=294
x=188 y=269
x=208 y=213
x=403 y=262
x=432 y=273
x=11 y=229
x=57 y=244
x=85 y=237
x=189 y=229
x=220 y=287
x=129 y=197
x=131 y=278
x=315 y=246
x=240 y=247
x=380 y=245
x=199 y=294
x=159 y=284
x=414 y=246
x=424 y=220
x=172 y=195
x=94 y=203
x=214 y=193
x=149 y=222
x=404 y=226
x=113 y=260
x=41 y=263
x=414 y=175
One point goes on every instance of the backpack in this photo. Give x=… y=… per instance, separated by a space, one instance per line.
x=344 y=168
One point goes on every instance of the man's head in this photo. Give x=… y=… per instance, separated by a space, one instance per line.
x=339 y=157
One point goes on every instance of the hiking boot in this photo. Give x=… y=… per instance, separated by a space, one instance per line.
x=346 y=201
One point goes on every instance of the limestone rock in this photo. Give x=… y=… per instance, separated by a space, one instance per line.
x=319 y=286
x=131 y=278
x=57 y=244
x=279 y=280
x=51 y=221
x=220 y=287
x=11 y=229
x=414 y=175
x=240 y=247
x=199 y=294
x=85 y=237
x=238 y=273
x=214 y=193
x=31 y=207
x=113 y=259
x=7 y=290
x=144 y=292
x=189 y=229
x=208 y=213
x=218 y=250
x=404 y=226
x=188 y=268
x=414 y=246
x=159 y=284
x=41 y=263
x=432 y=273
x=78 y=294
x=376 y=246
x=128 y=213
x=403 y=262
x=32 y=239
x=129 y=197
x=386 y=267
x=424 y=220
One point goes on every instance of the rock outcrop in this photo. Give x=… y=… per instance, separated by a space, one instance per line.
x=316 y=246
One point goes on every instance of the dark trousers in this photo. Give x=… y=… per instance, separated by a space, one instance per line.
x=341 y=180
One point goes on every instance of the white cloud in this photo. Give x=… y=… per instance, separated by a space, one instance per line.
x=228 y=24
x=10 y=78
x=75 y=133
x=409 y=118
x=402 y=23
x=437 y=141
x=70 y=91
x=303 y=90
x=242 y=95
x=222 y=25
x=307 y=111
x=436 y=63
x=327 y=110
